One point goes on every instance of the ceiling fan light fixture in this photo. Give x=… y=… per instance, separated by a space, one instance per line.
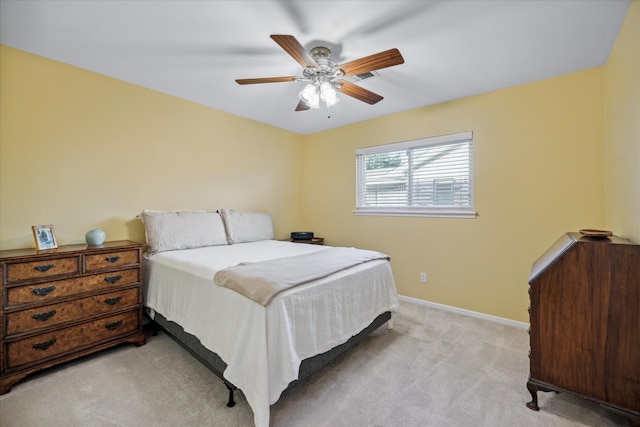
x=328 y=94
x=309 y=95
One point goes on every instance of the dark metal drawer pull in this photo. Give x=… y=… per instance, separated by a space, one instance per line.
x=112 y=258
x=112 y=279
x=113 y=301
x=114 y=325
x=44 y=345
x=43 y=291
x=43 y=268
x=44 y=316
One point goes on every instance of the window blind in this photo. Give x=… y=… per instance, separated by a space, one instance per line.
x=430 y=176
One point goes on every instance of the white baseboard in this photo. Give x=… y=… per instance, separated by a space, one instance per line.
x=462 y=311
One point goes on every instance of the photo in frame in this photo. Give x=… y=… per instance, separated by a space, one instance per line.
x=45 y=237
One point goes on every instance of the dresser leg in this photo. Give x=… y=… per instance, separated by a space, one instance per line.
x=8 y=381
x=533 y=389
x=140 y=340
x=5 y=385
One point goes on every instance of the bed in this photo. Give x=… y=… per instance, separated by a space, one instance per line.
x=260 y=344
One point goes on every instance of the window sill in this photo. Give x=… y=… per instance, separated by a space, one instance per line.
x=430 y=213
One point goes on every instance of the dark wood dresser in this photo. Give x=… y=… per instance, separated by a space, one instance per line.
x=63 y=304
x=585 y=322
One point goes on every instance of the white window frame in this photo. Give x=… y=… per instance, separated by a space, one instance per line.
x=433 y=210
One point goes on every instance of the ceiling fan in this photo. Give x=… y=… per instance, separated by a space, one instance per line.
x=325 y=77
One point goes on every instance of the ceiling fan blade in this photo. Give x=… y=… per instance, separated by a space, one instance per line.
x=377 y=61
x=266 y=80
x=291 y=45
x=359 y=92
x=302 y=106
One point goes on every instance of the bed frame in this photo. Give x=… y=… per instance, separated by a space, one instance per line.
x=212 y=361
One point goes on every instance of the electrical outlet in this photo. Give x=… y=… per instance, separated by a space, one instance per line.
x=423 y=277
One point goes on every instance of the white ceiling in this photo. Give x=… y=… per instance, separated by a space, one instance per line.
x=196 y=49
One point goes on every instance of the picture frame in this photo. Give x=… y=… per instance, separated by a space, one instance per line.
x=45 y=237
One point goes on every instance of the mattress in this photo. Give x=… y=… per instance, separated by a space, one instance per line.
x=264 y=346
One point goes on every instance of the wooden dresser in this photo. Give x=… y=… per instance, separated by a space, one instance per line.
x=63 y=304
x=585 y=322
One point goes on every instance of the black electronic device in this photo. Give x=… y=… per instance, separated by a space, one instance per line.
x=302 y=235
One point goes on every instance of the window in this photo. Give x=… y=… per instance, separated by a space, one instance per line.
x=424 y=177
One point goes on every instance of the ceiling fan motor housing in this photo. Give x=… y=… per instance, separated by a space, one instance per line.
x=320 y=52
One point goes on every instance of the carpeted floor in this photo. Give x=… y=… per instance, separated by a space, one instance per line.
x=434 y=368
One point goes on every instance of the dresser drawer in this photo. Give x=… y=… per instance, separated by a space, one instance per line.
x=56 y=343
x=62 y=288
x=55 y=314
x=21 y=271
x=111 y=259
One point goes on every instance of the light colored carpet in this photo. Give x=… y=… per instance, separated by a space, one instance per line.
x=434 y=368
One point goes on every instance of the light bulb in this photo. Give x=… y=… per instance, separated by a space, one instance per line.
x=309 y=95
x=328 y=94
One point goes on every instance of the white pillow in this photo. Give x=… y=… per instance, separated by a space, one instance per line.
x=167 y=231
x=247 y=226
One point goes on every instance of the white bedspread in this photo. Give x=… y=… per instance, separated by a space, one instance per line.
x=299 y=323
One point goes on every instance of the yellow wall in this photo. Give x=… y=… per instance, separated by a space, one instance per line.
x=538 y=173
x=622 y=129
x=79 y=150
